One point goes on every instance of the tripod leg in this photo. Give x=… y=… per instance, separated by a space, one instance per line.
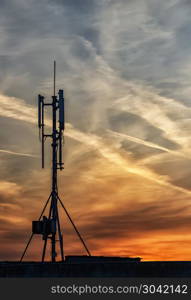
x=60 y=235
x=30 y=239
x=44 y=250
x=75 y=228
x=45 y=242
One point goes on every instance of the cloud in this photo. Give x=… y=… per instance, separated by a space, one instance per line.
x=145 y=143
x=16 y=153
x=125 y=70
x=96 y=143
x=12 y=107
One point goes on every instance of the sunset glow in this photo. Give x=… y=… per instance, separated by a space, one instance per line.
x=125 y=67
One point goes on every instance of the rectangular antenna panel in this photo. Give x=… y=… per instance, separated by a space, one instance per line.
x=60 y=150
x=40 y=110
x=61 y=109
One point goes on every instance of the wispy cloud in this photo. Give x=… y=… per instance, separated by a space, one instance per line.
x=123 y=136
x=128 y=115
x=15 y=108
x=124 y=163
x=95 y=142
x=158 y=111
x=17 y=153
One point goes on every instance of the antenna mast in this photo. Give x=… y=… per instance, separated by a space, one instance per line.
x=49 y=227
x=54 y=77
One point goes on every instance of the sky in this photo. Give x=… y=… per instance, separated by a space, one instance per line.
x=125 y=67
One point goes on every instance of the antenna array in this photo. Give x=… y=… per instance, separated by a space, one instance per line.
x=49 y=227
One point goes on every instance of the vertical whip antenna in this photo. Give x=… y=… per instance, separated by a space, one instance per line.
x=54 y=78
x=41 y=124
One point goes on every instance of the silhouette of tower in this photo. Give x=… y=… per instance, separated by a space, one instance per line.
x=49 y=226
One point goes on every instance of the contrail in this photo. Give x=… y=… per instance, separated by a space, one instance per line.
x=92 y=141
x=145 y=143
x=17 y=153
x=116 y=158
x=155 y=112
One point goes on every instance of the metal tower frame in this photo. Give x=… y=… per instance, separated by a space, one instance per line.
x=49 y=227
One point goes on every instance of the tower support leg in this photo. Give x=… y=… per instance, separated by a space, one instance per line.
x=30 y=239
